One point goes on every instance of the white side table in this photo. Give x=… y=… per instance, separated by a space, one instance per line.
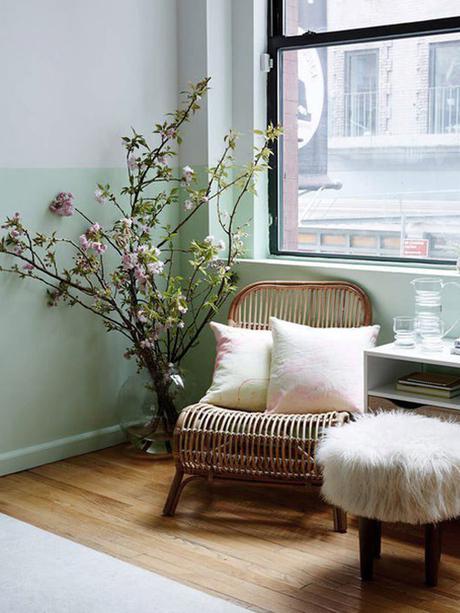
x=384 y=365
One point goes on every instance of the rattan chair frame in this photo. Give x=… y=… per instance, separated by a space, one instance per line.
x=213 y=442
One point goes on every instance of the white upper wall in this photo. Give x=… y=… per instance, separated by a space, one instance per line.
x=76 y=74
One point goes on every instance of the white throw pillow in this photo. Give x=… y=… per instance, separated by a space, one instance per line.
x=242 y=368
x=317 y=369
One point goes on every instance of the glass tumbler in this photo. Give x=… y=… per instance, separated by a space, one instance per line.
x=404 y=329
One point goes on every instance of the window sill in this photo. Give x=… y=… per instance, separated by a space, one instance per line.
x=357 y=265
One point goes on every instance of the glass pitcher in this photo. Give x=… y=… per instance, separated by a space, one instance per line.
x=428 y=310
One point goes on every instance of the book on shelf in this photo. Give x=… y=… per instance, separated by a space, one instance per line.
x=431 y=384
x=428 y=391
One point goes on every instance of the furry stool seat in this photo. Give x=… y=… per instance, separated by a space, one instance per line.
x=395 y=467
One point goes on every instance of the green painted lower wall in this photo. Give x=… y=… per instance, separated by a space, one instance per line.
x=60 y=371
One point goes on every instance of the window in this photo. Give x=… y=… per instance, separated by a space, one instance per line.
x=360 y=96
x=369 y=98
x=444 y=93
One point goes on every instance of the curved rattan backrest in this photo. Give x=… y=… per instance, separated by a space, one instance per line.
x=323 y=304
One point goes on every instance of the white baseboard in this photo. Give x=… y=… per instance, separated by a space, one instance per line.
x=52 y=451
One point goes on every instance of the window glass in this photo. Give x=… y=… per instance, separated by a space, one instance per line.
x=370 y=157
x=444 y=91
x=330 y=15
x=360 y=93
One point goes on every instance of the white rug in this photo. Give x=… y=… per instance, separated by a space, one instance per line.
x=44 y=573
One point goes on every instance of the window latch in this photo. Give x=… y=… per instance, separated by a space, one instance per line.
x=266 y=62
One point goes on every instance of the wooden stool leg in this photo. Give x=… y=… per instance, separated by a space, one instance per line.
x=368 y=529
x=174 y=493
x=432 y=553
x=340 y=519
x=377 y=539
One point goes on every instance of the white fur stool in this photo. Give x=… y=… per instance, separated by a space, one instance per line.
x=396 y=467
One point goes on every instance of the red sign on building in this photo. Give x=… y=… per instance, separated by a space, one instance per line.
x=415 y=247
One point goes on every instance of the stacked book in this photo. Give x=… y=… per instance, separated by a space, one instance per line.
x=430 y=384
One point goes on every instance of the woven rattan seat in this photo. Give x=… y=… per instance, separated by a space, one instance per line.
x=214 y=442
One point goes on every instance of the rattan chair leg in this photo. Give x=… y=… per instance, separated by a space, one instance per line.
x=174 y=493
x=340 y=519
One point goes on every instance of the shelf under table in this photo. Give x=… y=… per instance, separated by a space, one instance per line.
x=391 y=393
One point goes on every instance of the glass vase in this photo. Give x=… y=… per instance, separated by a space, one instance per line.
x=140 y=414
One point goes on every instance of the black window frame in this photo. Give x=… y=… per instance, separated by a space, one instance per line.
x=277 y=42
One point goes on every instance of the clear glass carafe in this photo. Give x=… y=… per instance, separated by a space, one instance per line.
x=428 y=312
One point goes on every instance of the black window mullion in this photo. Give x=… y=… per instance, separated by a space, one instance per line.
x=363 y=35
x=275 y=30
x=275 y=18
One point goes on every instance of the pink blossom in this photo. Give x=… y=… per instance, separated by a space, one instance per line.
x=212 y=242
x=53 y=298
x=155 y=268
x=16 y=217
x=129 y=260
x=15 y=233
x=28 y=266
x=146 y=344
x=187 y=174
x=84 y=242
x=182 y=309
x=62 y=205
x=188 y=205
x=141 y=316
x=169 y=133
x=132 y=162
x=127 y=222
x=140 y=275
x=162 y=161
x=100 y=196
x=204 y=199
x=99 y=247
x=94 y=229
x=18 y=250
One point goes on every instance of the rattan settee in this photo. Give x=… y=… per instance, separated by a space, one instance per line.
x=214 y=442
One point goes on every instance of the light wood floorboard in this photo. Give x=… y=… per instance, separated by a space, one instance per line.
x=266 y=547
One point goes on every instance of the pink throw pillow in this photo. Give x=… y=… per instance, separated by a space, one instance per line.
x=314 y=370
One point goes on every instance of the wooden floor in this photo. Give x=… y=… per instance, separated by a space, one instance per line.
x=269 y=548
